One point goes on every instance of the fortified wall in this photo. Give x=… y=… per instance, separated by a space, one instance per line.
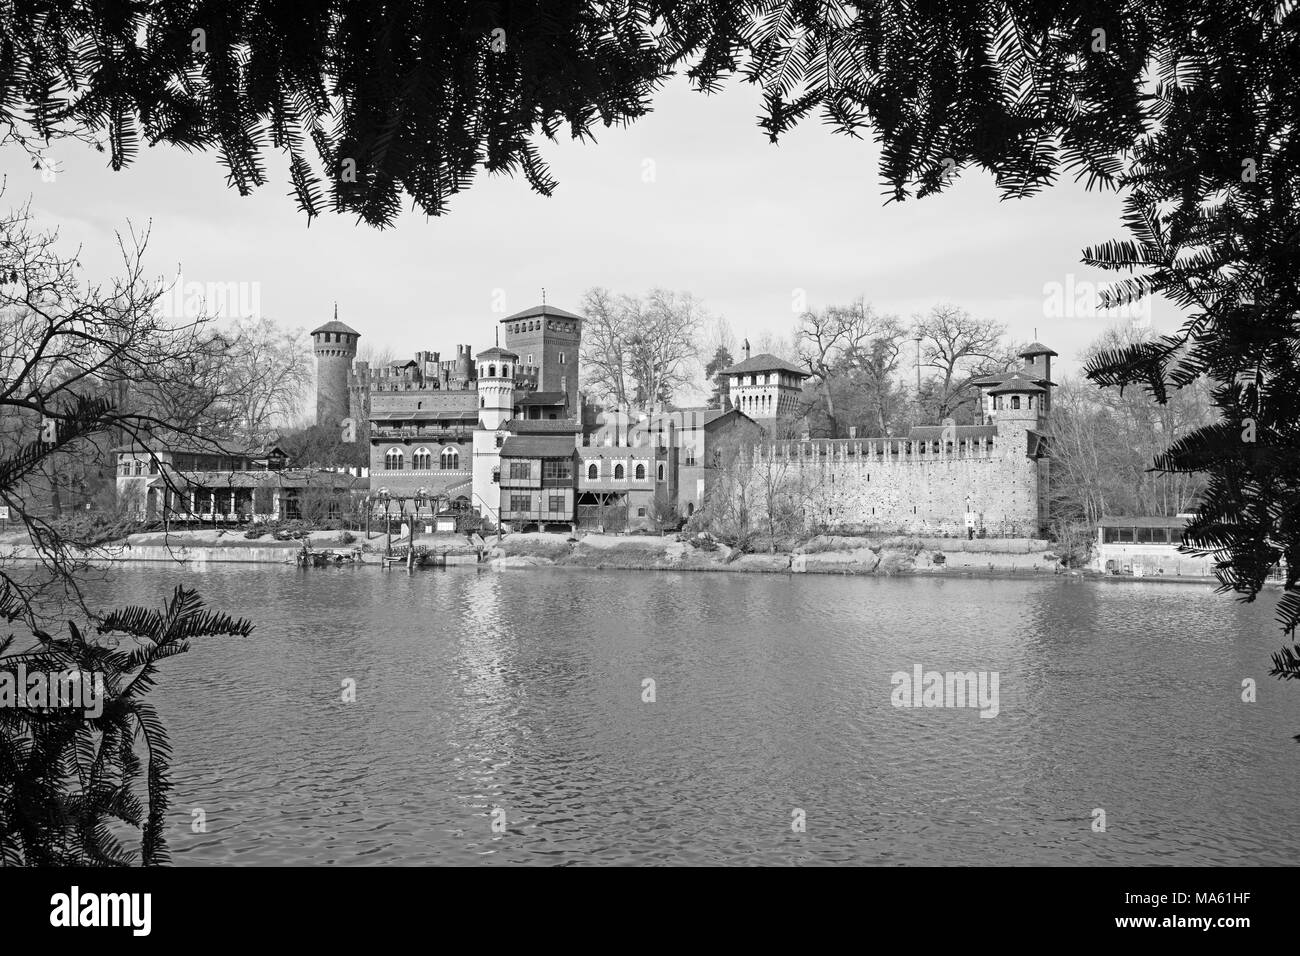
x=898 y=485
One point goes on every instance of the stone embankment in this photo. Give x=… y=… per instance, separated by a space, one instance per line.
x=217 y=547
x=821 y=555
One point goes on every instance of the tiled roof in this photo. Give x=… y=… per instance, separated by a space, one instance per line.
x=730 y=415
x=543 y=398
x=538 y=446
x=287 y=478
x=335 y=326
x=497 y=351
x=767 y=362
x=1016 y=384
x=1141 y=521
x=1038 y=443
x=541 y=426
x=1036 y=348
x=538 y=311
x=187 y=444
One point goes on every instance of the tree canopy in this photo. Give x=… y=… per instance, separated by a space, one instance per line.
x=1188 y=107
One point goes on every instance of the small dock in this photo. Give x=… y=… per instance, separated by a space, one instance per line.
x=324 y=557
x=419 y=557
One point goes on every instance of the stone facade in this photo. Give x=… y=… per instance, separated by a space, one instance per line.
x=902 y=486
x=989 y=479
x=768 y=389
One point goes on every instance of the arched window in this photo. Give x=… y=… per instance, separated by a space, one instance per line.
x=422 y=460
x=450 y=459
x=640 y=472
x=505 y=371
x=1031 y=401
x=661 y=472
x=592 y=472
x=1015 y=401
x=492 y=371
x=393 y=460
x=618 y=471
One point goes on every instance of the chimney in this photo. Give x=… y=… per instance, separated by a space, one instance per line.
x=746 y=350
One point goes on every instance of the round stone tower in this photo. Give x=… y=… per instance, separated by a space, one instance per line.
x=335 y=345
x=496 y=386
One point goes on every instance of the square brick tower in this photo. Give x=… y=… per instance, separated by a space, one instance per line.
x=547 y=340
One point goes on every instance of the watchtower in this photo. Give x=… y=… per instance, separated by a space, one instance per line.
x=335 y=345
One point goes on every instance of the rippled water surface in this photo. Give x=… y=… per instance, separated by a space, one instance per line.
x=523 y=690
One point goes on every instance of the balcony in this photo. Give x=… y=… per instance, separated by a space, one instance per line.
x=445 y=436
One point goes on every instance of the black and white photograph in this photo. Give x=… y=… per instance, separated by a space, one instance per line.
x=605 y=433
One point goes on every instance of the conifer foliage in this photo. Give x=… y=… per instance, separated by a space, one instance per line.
x=73 y=785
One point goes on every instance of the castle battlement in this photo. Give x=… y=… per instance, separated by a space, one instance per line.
x=884 y=450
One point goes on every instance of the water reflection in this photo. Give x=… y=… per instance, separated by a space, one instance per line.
x=523 y=690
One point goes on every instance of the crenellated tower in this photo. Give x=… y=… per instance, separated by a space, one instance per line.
x=335 y=345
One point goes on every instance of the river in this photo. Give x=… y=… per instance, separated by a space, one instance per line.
x=773 y=697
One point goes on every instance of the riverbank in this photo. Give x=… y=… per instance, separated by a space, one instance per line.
x=878 y=555
x=221 y=546
x=821 y=555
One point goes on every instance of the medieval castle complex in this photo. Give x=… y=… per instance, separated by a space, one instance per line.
x=507 y=433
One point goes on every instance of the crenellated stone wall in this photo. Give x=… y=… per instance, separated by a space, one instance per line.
x=897 y=485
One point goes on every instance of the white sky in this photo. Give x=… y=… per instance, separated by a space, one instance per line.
x=737 y=221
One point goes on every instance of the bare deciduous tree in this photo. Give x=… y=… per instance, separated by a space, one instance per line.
x=826 y=342
x=261 y=376
x=71 y=356
x=636 y=352
x=960 y=349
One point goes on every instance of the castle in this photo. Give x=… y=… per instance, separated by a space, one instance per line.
x=506 y=432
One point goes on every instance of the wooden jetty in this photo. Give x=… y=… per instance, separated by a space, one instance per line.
x=324 y=557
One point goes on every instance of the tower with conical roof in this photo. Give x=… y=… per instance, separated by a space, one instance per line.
x=335 y=345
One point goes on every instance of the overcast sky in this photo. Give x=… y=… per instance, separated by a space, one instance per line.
x=740 y=223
